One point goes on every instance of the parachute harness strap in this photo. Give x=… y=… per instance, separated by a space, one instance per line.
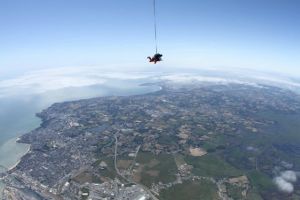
x=155 y=24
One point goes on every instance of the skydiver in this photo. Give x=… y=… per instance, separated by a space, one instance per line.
x=156 y=58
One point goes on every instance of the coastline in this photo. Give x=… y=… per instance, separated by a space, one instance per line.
x=20 y=159
x=18 y=139
x=15 y=149
x=18 y=150
x=12 y=151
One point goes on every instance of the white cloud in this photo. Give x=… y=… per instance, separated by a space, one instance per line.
x=285 y=181
x=190 y=78
x=251 y=148
x=289 y=176
x=58 y=78
x=187 y=78
x=257 y=79
x=283 y=185
x=286 y=165
x=41 y=81
x=283 y=81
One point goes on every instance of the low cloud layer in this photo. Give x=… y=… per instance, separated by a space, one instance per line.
x=55 y=79
x=59 y=78
x=285 y=181
x=283 y=185
x=188 y=78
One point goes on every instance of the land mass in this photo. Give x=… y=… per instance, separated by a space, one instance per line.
x=192 y=141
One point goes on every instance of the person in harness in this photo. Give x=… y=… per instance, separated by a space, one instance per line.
x=156 y=58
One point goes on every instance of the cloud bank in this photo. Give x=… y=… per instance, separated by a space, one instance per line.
x=54 y=79
x=190 y=78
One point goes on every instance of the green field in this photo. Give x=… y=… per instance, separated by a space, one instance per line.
x=227 y=156
x=108 y=172
x=234 y=192
x=274 y=143
x=164 y=164
x=191 y=190
x=253 y=195
x=261 y=181
x=212 y=166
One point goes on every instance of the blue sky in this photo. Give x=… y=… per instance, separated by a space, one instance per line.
x=255 y=34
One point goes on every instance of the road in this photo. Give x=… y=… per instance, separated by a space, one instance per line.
x=134 y=160
x=129 y=181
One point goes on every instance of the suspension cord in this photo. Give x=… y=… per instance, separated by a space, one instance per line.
x=155 y=24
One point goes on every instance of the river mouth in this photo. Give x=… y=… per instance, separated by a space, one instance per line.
x=18 y=114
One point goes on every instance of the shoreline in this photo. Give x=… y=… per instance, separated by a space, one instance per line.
x=19 y=160
x=12 y=152
x=12 y=166
x=17 y=140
